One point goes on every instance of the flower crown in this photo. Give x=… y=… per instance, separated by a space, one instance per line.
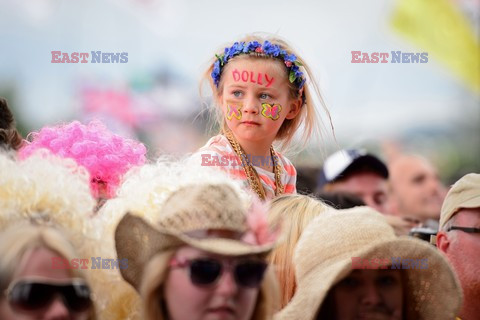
x=272 y=50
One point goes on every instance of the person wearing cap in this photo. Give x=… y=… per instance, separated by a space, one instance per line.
x=204 y=258
x=398 y=277
x=356 y=172
x=459 y=239
x=416 y=191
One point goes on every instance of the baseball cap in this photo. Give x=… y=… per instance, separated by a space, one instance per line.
x=465 y=193
x=346 y=161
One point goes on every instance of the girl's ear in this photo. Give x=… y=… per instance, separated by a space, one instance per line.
x=295 y=107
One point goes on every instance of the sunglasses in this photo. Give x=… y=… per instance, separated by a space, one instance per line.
x=207 y=271
x=464 y=229
x=35 y=294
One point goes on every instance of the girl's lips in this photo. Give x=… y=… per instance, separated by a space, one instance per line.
x=222 y=309
x=252 y=123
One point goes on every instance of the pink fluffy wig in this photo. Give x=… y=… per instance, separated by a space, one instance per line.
x=105 y=155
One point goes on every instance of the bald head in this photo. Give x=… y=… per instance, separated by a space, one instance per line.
x=416 y=190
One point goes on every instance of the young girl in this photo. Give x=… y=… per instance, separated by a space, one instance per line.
x=262 y=95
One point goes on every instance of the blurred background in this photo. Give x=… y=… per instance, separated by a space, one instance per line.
x=429 y=108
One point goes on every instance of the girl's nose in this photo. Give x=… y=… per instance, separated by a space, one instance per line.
x=251 y=106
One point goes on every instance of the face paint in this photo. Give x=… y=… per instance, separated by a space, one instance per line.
x=253 y=77
x=271 y=111
x=234 y=110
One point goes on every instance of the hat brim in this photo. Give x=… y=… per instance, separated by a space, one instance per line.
x=428 y=288
x=138 y=241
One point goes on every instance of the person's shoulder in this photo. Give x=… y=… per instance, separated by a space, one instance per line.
x=218 y=144
x=216 y=152
x=286 y=163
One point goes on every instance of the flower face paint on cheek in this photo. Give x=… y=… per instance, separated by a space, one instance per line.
x=234 y=110
x=271 y=111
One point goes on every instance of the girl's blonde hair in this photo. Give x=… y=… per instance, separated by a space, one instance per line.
x=294 y=213
x=18 y=241
x=155 y=275
x=308 y=113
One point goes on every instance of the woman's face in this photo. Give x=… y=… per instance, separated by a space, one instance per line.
x=368 y=295
x=37 y=264
x=223 y=300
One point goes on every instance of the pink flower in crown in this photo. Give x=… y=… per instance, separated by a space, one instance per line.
x=259 y=232
x=259 y=49
x=288 y=64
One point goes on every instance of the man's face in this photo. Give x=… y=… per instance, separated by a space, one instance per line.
x=463 y=251
x=416 y=189
x=368 y=186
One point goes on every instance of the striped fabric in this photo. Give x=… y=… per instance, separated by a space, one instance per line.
x=219 y=153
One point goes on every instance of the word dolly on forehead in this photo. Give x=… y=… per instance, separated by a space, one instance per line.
x=253 y=77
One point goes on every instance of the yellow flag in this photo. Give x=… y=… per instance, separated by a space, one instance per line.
x=439 y=28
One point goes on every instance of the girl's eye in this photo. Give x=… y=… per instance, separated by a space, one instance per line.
x=387 y=281
x=264 y=96
x=349 y=282
x=237 y=94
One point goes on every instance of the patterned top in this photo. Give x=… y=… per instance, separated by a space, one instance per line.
x=219 y=153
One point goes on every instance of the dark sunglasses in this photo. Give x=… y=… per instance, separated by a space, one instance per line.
x=34 y=294
x=207 y=271
x=464 y=229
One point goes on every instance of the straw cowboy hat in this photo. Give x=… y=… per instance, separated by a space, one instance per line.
x=187 y=218
x=323 y=257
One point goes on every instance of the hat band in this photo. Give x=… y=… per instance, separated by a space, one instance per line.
x=215 y=233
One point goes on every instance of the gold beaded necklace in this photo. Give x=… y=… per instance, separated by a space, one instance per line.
x=252 y=174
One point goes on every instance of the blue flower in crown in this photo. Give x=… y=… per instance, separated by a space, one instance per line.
x=233 y=50
x=269 y=49
x=297 y=71
x=290 y=57
x=300 y=85
x=216 y=72
x=251 y=46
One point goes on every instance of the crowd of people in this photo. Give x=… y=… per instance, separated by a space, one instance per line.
x=91 y=229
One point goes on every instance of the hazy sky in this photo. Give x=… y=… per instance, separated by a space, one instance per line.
x=366 y=101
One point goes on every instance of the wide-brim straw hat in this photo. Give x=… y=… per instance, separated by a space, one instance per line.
x=323 y=258
x=186 y=218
